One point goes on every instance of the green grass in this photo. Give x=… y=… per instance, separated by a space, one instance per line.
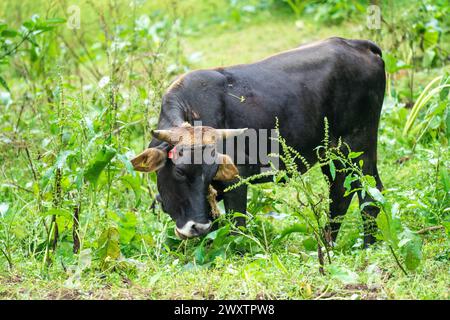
x=257 y=40
x=154 y=265
x=376 y=277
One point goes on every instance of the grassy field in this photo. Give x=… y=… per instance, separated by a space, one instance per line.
x=81 y=102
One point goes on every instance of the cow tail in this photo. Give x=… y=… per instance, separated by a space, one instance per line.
x=366 y=45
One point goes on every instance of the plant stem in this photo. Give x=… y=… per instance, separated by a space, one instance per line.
x=75 y=229
x=429 y=229
x=13 y=50
x=8 y=258
x=320 y=255
x=396 y=260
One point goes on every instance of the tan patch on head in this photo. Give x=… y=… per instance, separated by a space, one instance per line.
x=227 y=170
x=187 y=135
x=150 y=160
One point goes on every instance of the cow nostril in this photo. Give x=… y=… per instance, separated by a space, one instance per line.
x=194 y=228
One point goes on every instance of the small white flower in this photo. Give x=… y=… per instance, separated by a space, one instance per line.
x=3 y=209
x=103 y=82
x=5 y=98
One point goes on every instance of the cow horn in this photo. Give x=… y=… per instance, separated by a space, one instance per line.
x=228 y=133
x=163 y=135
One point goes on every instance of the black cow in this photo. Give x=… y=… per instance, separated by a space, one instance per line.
x=341 y=79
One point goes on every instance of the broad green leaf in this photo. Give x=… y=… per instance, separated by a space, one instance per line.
x=350 y=231
x=295 y=228
x=446 y=225
x=376 y=194
x=428 y=58
x=310 y=244
x=332 y=170
x=29 y=24
x=445 y=178
x=218 y=233
x=55 y=21
x=9 y=33
x=47 y=176
x=127 y=163
x=384 y=226
x=277 y=262
x=200 y=254
x=430 y=38
x=221 y=236
x=348 y=184
x=101 y=160
x=43 y=28
x=411 y=249
x=64 y=222
x=443 y=94
x=343 y=274
x=447 y=124
x=58 y=212
x=127 y=227
x=354 y=155
x=389 y=224
x=135 y=183
x=219 y=252
x=108 y=244
x=392 y=64
x=370 y=180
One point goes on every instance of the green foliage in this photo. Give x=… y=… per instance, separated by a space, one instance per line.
x=398 y=236
x=256 y=238
x=392 y=64
x=436 y=118
x=75 y=104
x=101 y=160
x=12 y=40
x=329 y=12
x=108 y=245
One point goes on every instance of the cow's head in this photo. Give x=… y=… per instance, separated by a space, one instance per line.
x=186 y=164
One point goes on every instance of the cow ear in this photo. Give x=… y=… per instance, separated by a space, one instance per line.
x=227 y=170
x=150 y=160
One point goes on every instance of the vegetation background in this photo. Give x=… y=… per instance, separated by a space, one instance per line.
x=80 y=89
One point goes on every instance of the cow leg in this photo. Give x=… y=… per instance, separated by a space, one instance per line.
x=236 y=201
x=366 y=141
x=369 y=212
x=339 y=204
